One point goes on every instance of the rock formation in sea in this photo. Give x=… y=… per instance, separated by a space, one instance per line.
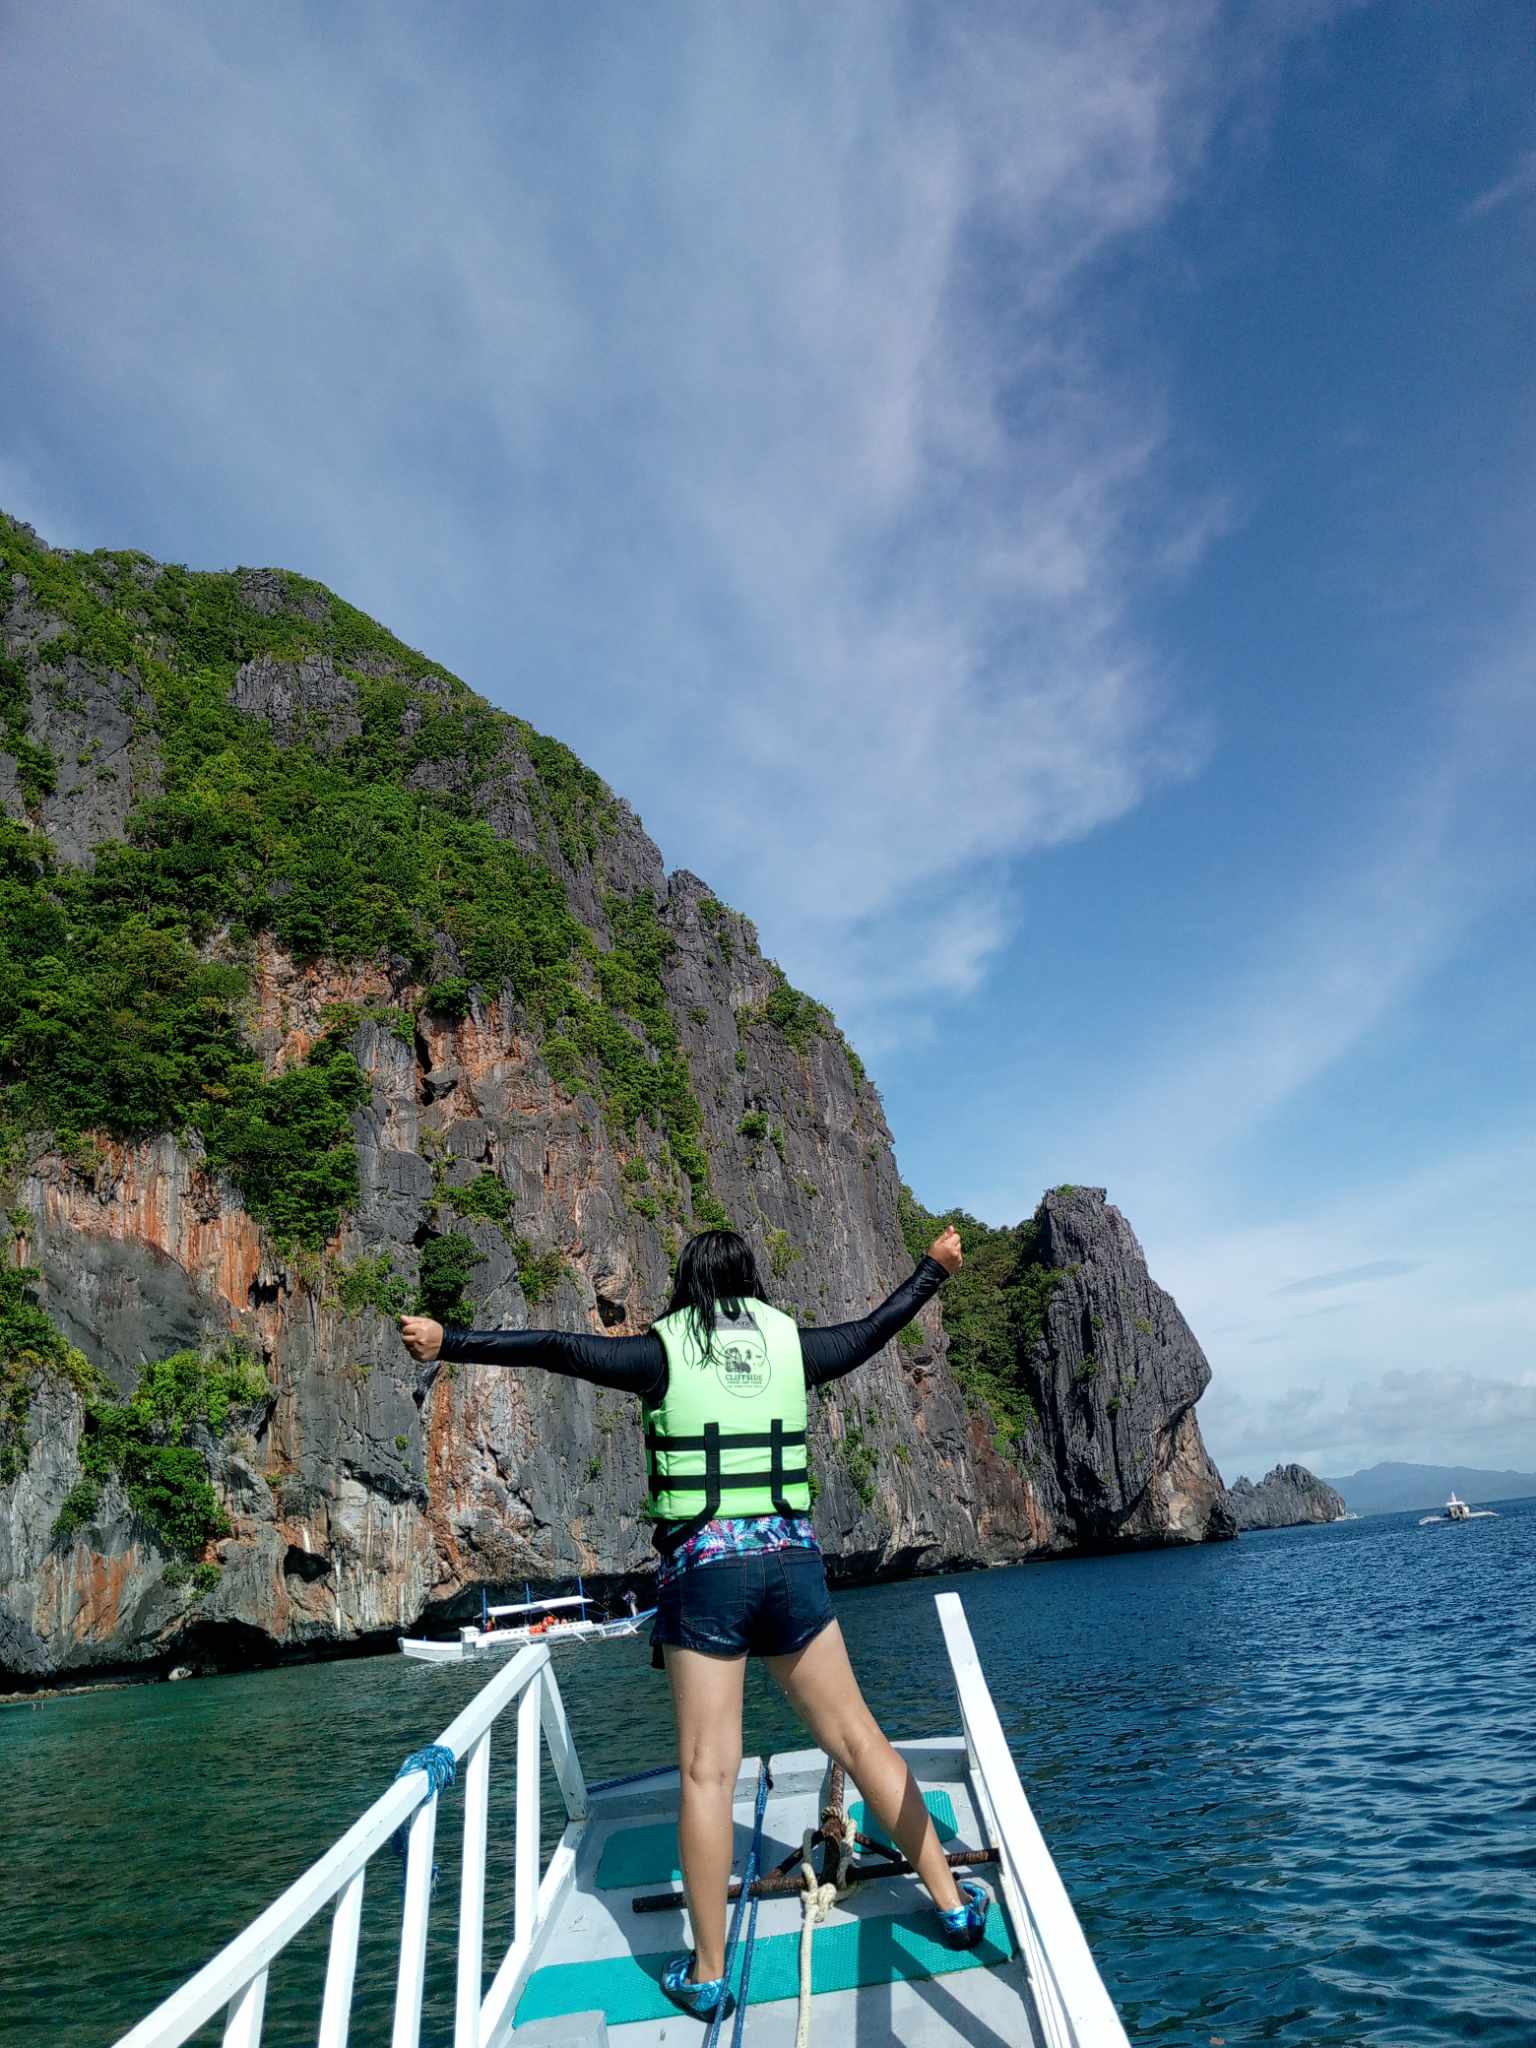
x=329 y=990
x=1118 y=1372
x=1284 y=1498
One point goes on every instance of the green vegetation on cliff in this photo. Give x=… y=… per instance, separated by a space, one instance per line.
x=29 y=1345
x=142 y=1443
x=36 y=770
x=798 y=1018
x=122 y=987
x=113 y=1024
x=994 y=1312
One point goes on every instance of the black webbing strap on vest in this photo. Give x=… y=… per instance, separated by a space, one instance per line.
x=777 y=1479
x=714 y=1482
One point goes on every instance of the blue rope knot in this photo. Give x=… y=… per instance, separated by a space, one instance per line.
x=437 y=1760
x=441 y=1767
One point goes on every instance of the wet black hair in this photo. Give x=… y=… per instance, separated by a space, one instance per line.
x=716 y=1268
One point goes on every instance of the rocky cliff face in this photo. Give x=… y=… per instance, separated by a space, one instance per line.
x=1284 y=1498
x=234 y=789
x=1113 y=1373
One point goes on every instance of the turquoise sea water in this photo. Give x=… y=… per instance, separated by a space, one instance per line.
x=1290 y=1783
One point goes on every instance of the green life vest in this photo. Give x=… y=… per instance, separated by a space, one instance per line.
x=729 y=1434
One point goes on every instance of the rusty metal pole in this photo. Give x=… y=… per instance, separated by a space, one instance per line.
x=781 y=1885
x=785 y=1879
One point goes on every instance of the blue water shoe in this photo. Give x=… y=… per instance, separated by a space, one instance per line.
x=699 y=1999
x=965 y=1925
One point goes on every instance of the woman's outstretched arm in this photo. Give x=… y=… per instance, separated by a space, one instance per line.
x=837 y=1349
x=638 y=1365
x=631 y=1365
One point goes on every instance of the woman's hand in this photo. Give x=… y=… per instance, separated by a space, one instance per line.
x=945 y=1250
x=422 y=1337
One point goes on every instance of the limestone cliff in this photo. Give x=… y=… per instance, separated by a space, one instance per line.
x=1283 y=1499
x=331 y=990
x=1061 y=1336
x=1119 y=1373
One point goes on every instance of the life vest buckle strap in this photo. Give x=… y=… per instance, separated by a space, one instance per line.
x=777 y=1483
x=735 y=1440
x=769 y=1478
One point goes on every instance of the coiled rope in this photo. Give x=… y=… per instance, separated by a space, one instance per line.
x=817 y=1897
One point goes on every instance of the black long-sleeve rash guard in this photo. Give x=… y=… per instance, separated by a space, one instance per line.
x=638 y=1365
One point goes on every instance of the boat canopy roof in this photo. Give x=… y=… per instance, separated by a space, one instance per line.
x=537 y=1606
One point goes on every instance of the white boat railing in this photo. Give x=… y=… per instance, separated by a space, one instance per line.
x=235 y=1982
x=1075 y=2009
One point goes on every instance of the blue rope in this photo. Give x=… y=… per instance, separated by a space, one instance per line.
x=441 y=1767
x=634 y=1777
x=748 y=1879
x=746 y=1978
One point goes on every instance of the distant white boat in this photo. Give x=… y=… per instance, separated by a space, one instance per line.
x=1458 y=1511
x=563 y=1619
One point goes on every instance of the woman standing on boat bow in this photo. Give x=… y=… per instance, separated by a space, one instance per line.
x=722 y=1377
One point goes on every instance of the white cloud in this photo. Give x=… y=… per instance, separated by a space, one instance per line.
x=720 y=382
x=1427 y=1415
x=1347 y=1276
x=1400 y=1366
x=1520 y=182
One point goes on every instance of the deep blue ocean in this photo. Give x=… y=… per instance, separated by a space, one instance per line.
x=1290 y=1783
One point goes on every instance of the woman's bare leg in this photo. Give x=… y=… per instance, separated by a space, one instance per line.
x=822 y=1689
x=706 y=1696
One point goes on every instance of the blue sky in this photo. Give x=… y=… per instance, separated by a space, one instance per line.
x=1035 y=503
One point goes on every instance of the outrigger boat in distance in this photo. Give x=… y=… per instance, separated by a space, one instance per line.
x=1458 y=1511
x=546 y=1621
x=831 y=1939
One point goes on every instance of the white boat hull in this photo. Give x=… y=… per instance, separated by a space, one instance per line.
x=474 y=1642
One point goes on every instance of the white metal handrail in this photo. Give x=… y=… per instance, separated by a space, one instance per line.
x=1075 y=2009
x=235 y=1982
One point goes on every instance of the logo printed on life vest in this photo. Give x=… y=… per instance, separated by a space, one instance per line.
x=741 y=1361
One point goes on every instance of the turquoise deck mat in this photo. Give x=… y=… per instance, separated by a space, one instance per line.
x=939 y=1804
x=882 y=1949
x=648 y=1855
x=636 y=1856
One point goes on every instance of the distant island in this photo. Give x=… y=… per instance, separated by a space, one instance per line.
x=1284 y=1499
x=1391 y=1489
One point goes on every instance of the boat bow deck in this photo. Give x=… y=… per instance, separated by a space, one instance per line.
x=881 y=1935
x=583 y=1967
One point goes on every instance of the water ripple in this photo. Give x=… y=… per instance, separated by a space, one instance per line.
x=1290 y=1783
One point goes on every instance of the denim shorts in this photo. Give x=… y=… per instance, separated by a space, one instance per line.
x=767 y=1603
